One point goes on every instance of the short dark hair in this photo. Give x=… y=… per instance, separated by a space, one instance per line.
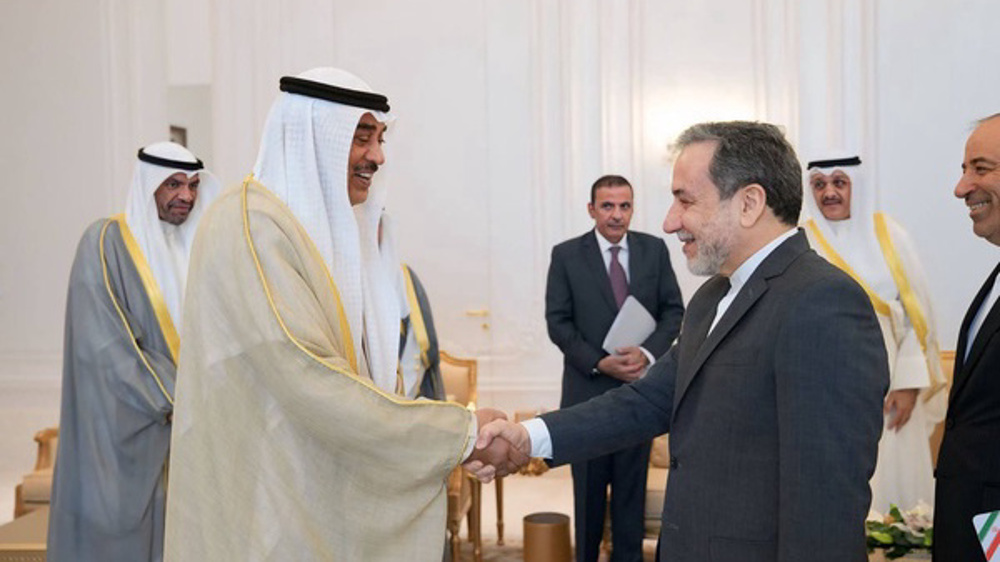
x=609 y=180
x=749 y=152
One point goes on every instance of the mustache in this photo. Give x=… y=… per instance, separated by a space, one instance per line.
x=832 y=199
x=369 y=167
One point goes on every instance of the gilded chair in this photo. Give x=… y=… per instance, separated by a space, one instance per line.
x=464 y=491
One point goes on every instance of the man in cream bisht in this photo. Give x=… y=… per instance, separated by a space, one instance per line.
x=119 y=359
x=419 y=354
x=846 y=228
x=290 y=441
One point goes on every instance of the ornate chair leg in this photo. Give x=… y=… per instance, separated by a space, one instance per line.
x=499 y=484
x=475 y=524
x=455 y=550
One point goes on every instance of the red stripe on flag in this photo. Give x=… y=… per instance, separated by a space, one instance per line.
x=993 y=546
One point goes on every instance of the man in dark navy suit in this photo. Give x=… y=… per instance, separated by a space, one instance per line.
x=968 y=468
x=589 y=279
x=773 y=392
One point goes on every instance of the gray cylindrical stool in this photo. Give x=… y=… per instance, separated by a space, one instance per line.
x=546 y=538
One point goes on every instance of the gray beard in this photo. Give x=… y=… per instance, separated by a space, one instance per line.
x=709 y=259
x=713 y=250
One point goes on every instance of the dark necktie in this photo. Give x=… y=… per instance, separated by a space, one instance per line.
x=619 y=283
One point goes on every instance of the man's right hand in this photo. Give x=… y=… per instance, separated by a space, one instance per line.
x=621 y=367
x=501 y=448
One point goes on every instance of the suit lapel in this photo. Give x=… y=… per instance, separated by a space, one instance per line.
x=964 y=365
x=748 y=295
x=595 y=263
x=695 y=330
x=774 y=264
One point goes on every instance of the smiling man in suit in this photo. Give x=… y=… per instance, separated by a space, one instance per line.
x=968 y=469
x=589 y=279
x=773 y=392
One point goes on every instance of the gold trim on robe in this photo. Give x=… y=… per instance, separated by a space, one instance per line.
x=127 y=236
x=345 y=327
x=417 y=318
x=909 y=299
x=152 y=288
x=880 y=305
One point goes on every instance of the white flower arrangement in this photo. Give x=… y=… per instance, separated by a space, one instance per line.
x=899 y=532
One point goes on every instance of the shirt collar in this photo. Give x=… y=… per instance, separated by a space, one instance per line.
x=604 y=244
x=746 y=269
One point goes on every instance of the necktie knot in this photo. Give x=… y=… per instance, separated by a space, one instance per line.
x=614 y=251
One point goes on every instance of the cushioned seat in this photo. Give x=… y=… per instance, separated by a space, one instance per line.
x=656 y=489
x=35 y=488
x=656 y=484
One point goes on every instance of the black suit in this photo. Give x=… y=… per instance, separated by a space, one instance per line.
x=774 y=417
x=968 y=469
x=579 y=310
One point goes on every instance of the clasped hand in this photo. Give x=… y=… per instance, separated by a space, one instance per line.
x=502 y=446
x=626 y=364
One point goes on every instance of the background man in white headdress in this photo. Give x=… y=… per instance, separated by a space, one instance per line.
x=846 y=228
x=290 y=438
x=119 y=359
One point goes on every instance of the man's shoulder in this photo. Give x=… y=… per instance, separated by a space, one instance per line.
x=100 y=244
x=574 y=243
x=95 y=233
x=810 y=274
x=645 y=237
x=646 y=240
x=249 y=200
x=94 y=229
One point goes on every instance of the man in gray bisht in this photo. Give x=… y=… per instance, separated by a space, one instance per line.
x=120 y=353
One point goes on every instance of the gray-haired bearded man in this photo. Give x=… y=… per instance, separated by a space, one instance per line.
x=773 y=392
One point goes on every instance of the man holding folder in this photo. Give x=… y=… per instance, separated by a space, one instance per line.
x=591 y=279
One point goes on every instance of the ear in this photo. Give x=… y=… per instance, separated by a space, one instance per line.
x=753 y=204
x=591 y=210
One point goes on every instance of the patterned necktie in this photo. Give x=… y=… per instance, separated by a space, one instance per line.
x=619 y=283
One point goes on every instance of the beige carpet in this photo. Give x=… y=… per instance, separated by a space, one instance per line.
x=552 y=491
x=509 y=552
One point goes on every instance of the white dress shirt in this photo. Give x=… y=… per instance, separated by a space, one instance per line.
x=977 y=321
x=606 y=246
x=541 y=441
x=743 y=272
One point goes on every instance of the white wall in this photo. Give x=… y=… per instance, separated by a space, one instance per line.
x=190 y=107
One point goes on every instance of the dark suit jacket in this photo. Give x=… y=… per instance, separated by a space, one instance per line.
x=580 y=306
x=971 y=443
x=970 y=449
x=774 y=418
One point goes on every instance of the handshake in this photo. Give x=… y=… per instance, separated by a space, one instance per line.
x=502 y=447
